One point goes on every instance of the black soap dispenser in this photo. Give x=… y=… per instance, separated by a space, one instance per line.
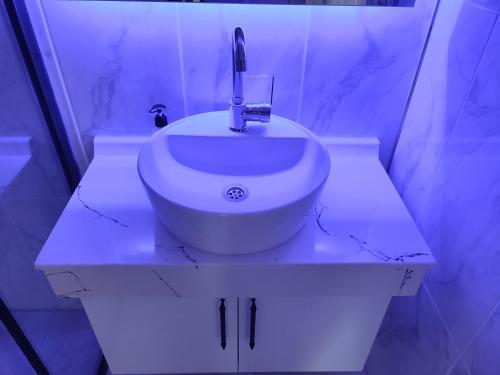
x=160 y=118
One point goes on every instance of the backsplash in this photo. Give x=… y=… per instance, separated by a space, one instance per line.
x=343 y=71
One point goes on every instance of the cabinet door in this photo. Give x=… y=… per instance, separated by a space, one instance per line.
x=170 y=335
x=309 y=334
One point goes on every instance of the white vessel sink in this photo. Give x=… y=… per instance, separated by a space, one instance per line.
x=229 y=192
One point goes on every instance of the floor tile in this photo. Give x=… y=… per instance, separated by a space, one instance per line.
x=12 y=360
x=412 y=340
x=70 y=346
x=483 y=356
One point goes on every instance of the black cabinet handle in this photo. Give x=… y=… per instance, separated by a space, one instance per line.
x=222 y=315
x=253 y=316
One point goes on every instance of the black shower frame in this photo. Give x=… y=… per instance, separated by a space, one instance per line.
x=40 y=81
x=33 y=61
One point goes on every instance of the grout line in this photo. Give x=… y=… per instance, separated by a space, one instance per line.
x=180 y=49
x=42 y=341
x=23 y=322
x=16 y=230
x=413 y=85
x=303 y=67
x=74 y=135
x=484 y=7
x=432 y=179
x=489 y=314
x=447 y=329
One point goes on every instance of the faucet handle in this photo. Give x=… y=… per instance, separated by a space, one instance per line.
x=260 y=112
x=257 y=112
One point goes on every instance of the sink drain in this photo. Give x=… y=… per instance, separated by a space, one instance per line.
x=235 y=193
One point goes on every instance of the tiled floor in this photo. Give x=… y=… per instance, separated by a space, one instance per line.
x=410 y=341
x=63 y=338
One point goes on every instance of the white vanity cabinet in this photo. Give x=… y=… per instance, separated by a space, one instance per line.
x=154 y=302
x=153 y=335
x=309 y=334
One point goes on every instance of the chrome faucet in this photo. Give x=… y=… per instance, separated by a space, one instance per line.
x=239 y=112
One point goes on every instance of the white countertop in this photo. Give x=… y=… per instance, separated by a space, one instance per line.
x=359 y=225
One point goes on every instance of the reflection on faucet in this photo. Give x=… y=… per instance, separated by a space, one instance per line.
x=240 y=112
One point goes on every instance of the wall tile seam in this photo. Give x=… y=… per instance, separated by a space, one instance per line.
x=17 y=233
x=49 y=326
x=3 y=208
x=484 y=7
x=305 y=49
x=446 y=328
x=180 y=57
x=474 y=336
x=81 y=154
x=22 y=232
x=432 y=179
x=23 y=238
x=413 y=86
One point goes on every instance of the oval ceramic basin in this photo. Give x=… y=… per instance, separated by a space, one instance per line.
x=233 y=193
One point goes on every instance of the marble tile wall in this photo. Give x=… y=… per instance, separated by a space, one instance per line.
x=446 y=168
x=451 y=61
x=338 y=70
x=31 y=204
x=358 y=74
x=118 y=58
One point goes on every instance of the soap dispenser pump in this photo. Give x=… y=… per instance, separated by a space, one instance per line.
x=160 y=118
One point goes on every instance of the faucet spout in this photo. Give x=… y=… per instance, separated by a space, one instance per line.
x=239 y=65
x=239 y=111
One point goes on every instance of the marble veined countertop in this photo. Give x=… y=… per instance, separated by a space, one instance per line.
x=359 y=238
